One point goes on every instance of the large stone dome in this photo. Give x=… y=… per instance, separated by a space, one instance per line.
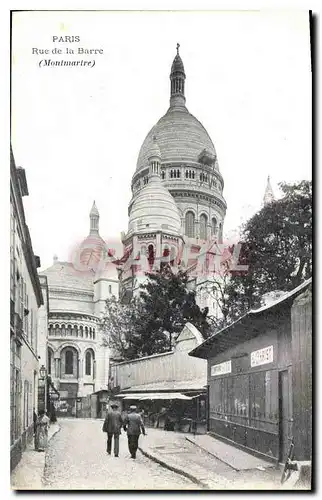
x=154 y=209
x=181 y=138
x=66 y=275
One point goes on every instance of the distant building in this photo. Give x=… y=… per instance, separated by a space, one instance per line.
x=25 y=300
x=260 y=378
x=77 y=357
x=170 y=375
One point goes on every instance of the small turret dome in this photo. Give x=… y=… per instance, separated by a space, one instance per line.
x=154 y=151
x=154 y=209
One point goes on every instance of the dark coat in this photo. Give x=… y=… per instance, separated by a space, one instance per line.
x=133 y=423
x=113 y=422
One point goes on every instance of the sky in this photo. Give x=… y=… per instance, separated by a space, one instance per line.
x=78 y=130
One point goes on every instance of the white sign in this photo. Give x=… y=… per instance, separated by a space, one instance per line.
x=221 y=369
x=262 y=356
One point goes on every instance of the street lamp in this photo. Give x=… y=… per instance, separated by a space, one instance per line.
x=42 y=372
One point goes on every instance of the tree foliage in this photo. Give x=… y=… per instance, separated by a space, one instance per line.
x=151 y=323
x=118 y=326
x=169 y=304
x=277 y=247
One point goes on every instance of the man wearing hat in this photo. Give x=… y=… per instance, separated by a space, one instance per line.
x=112 y=425
x=133 y=424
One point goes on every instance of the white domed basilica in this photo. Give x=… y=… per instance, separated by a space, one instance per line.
x=176 y=189
x=77 y=357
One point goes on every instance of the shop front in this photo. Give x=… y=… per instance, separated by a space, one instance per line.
x=171 y=411
x=250 y=379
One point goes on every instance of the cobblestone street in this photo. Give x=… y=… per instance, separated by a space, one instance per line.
x=77 y=459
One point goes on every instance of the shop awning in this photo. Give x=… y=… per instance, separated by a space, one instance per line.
x=129 y=395
x=164 y=395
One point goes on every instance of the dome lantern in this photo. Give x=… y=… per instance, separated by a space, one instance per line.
x=177 y=78
x=269 y=194
x=154 y=158
x=94 y=219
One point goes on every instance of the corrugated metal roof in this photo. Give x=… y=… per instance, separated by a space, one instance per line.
x=182 y=385
x=281 y=299
x=213 y=337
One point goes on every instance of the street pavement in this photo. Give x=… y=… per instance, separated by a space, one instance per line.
x=77 y=459
x=28 y=473
x=179 y=452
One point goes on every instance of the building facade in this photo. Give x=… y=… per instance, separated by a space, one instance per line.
x=252 y=366
x=189 y=166
x=25 y=300
x=178 y=158
x=168 y=382
x=77 y=358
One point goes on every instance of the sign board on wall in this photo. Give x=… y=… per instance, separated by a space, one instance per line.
x=262 y=356
x=221 y=368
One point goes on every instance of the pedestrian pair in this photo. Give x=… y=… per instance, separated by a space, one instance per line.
x=132 y=424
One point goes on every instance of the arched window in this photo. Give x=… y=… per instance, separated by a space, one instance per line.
x=81 y=331
x=193 y=174
x=178 y=173
x=151 y=255
x=75 y=331
x=69 y=329
x=187 y=174
x=190 y=224
x=93 y=333
x=163 y=175
x=57 y=330
x=50 y=330
x=166 y=252
x=213 y=226
x=69 y=358
x=203 y=227
x=88 y=363
x=171 y=174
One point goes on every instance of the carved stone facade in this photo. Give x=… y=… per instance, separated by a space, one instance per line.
x=77 y=357
x=177 y=185
x=189 y=166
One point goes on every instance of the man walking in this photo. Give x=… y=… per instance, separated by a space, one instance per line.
x=133 y=424
x=112 y=425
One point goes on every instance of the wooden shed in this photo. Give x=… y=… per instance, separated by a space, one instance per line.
x=255 y=366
